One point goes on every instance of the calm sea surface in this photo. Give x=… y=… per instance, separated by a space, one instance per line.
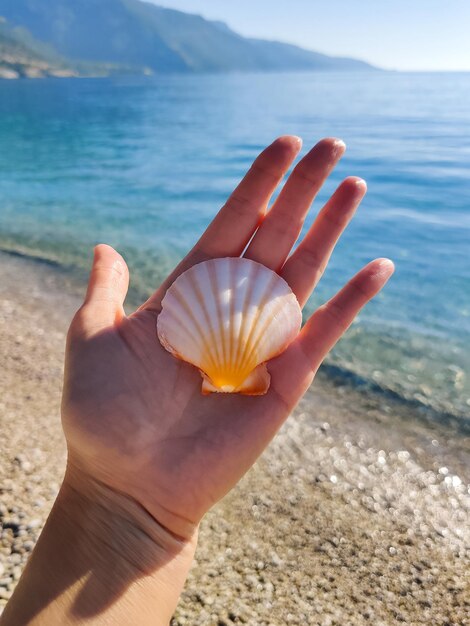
x=144 y=164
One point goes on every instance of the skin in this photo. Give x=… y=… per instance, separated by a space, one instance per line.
x=149 y=455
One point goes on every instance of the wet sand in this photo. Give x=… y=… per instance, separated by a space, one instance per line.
x=358 y=512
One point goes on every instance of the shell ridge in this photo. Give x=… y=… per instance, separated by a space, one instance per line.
x=280 y=293
x=246 y=304
x=241 y=292
x=231 y=269
x=253 y=322
x=178 y=307
x=264 y=329
x=178 y=296
x=211 y=315
x=180 y=328
x=226 y=285
x=247 y=351
x=174 y=350
x=214 y=280
x=213 y=344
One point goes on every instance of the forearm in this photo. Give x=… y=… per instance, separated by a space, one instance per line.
x=101 y=559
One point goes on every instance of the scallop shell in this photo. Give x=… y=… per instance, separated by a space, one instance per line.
x=228 y=317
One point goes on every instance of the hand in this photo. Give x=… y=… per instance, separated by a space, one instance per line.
x=148 y=453
x=134 y=416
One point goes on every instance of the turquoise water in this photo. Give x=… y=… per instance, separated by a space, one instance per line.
x=144 y=164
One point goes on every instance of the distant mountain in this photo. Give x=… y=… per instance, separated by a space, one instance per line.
x=21 y=55
x=140 y=34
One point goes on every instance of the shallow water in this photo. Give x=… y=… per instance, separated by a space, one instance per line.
x=144 y=164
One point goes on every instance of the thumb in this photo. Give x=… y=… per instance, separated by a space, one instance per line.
x=107 y=289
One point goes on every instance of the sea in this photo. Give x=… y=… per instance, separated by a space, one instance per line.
x=145 y=163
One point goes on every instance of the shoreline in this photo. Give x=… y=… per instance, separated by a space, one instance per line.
x=355 y=514
x=331 y=372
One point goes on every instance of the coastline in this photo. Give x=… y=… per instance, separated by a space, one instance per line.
x=96 y=133
x=430 y=408
x=355 y=514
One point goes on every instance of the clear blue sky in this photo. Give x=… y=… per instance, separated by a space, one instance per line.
x=396 y=34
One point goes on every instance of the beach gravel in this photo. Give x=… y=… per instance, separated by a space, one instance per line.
x=358 y=512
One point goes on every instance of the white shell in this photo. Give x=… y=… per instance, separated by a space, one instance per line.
x=228 y=317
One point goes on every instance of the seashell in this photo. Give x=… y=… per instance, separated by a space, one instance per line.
x=228 y=317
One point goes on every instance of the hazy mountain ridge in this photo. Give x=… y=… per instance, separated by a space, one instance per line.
x=142 y=35
x=21 y=56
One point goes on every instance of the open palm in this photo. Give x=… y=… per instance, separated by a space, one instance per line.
x=134 y=416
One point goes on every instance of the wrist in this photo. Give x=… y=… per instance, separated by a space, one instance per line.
x=98 y=513
x=102 y=558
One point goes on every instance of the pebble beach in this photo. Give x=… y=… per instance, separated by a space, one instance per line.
x=357 y=513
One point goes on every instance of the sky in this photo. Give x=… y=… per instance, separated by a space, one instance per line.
x=393 y=34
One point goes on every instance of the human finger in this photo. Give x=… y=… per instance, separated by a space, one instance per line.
x=293 y=371
x=281 y=227
x=237 y=220
x=107 y=289
x=304 y=268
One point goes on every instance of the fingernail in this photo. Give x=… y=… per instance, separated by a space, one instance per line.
x=386 y=267
x=298 y=140
x=361 y=183
x=339 y=144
